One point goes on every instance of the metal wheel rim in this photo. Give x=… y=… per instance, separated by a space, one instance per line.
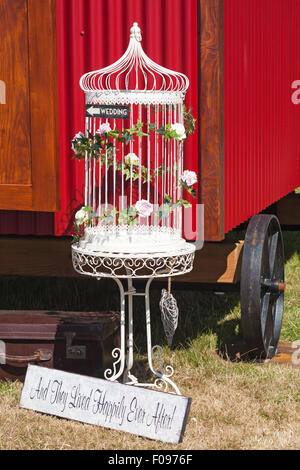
x=262 y=281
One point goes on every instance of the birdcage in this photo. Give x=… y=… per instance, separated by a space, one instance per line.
x=135 y=180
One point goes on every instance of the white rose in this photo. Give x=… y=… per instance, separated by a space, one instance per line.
x=180 y=130
x=81 y=216
x=144 y=208
x=189 y=177
x=105 y=127
x=132 y=159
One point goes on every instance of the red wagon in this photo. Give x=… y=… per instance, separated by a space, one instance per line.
x=241 y=57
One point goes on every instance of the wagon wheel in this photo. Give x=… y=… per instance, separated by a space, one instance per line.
x=262 y=284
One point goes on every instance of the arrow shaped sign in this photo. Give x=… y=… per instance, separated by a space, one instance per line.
x=107 y=111
x=93 y=110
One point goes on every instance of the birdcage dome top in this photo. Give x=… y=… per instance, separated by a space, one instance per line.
x=134 y=78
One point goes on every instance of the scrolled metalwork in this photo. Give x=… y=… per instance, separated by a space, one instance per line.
x=165 y=371
x=110 y=374
x=143 y=265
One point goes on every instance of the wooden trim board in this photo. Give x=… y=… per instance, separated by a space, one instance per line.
x=216 y=263
x=211 y=127
x=51 y=257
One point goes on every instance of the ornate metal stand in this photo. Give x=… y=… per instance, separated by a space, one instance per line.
x=131 y=267
x=125 y=235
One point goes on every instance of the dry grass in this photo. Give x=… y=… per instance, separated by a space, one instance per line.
x=235 y=405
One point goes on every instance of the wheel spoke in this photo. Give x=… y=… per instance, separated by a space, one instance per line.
x=273 y=315
x=265 y=261
x=277 y=318
x=264 y=312
x=268 y=334
x=273 y=252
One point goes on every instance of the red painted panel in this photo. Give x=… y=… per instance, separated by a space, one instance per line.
x=261 y=123
x=93 y=34
x=26 y=223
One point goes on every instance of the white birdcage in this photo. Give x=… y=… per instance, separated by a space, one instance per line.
x=131 y=221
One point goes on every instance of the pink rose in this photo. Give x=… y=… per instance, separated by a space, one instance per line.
x=105 y=127
x=75 y=138
x=189 y=177
x=78 y=135
x=144 y=208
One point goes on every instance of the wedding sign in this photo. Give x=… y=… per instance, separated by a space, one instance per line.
x=107 y=111
x=144 y=412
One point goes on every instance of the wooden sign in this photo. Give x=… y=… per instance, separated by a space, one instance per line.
x=107 y=111
x=141 y=411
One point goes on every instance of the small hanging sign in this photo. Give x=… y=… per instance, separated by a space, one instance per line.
x=107 y=111
x=144 y=412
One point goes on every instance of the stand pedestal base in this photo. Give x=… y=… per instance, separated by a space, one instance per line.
x=135 y=266
x=124 y=359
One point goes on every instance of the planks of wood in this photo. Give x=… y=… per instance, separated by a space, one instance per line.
x=36 y=256
x=51 y=256
x=288 y=354
x=216 y=262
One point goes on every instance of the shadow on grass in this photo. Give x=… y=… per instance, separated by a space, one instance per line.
x=291 y=242
x=201 y=312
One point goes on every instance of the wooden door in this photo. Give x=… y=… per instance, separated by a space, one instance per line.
x=29 y=154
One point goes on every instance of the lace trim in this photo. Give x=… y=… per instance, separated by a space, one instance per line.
x=129 y=230
x=134 y=97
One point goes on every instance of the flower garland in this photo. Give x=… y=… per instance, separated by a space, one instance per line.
x=100 y=147
x=94 y=145
x=142 y=208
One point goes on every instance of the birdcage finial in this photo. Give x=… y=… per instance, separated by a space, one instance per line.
x=135 y=32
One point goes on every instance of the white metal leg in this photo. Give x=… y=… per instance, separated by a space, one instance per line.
x=155 y=352
x=128 y=377
x=119 y=353
x=125 y=358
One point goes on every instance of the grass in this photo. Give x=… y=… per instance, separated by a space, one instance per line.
x=235 y=404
